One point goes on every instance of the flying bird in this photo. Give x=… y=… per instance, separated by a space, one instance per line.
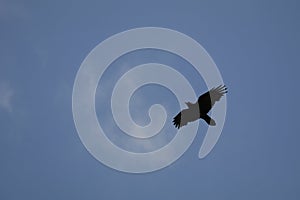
x=200 y=109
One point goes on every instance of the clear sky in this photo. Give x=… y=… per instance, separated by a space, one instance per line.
x=255 y=45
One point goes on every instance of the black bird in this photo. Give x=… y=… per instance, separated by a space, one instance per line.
x=200 y=109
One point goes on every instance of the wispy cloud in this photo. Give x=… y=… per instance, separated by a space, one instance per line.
x=6 y=94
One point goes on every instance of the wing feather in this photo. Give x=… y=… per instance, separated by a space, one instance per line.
x=207 y=100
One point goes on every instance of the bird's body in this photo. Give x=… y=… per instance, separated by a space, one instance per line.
x=200 y=109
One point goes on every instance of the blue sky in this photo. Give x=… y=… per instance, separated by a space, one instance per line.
x=255 y=45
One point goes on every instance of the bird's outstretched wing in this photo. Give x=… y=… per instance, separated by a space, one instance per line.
x=207 y=100
x=176 y=120
x=180 y=119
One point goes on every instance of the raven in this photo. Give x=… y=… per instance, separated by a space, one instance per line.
x=200 y=109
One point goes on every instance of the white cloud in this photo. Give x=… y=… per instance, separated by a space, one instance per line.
x=6 y=94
